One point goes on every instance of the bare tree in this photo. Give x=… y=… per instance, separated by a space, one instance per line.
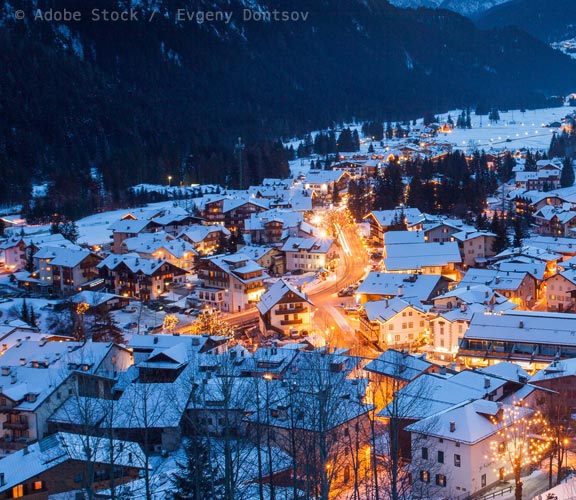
x=523 y=439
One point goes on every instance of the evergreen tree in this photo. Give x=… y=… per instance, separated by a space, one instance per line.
x=32 y=318
x=195 y=478
x=370 y=150
x=355 y=141
x=29 y=260
x=70 y=231
x=567 y=175
x=498 y=227
x=518 y=232
x=24 y=314
x=104 y=328
x=335 y=196
x=481 y=222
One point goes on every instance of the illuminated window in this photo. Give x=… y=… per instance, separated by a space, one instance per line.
x=18 y=491
x=441 y=480
x=424 y=476
x=38 y=485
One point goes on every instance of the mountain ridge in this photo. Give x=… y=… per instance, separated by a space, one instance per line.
x=139 y=101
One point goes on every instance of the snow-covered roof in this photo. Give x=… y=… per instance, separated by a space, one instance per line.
x=420 y=255
x=386 y=218
x=531 y=251
x=311 y=245
x=134 y=262
x=131 y=225
x=534 y=267
x=420 y=286
x=58 y=448
x=493 y=278
x=64 y=257
x=403 y=237
x=552 y=244
x=556 y=369
x=198 y=233
x=153 y=405
x=399 y=365
x=469 y=422
x=386 y=309
x=532 y=327
x=276 y=292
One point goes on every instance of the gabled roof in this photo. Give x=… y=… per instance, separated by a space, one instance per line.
x=64 y=257
x=131 y=226
x=312 y=245
x=420 y=255
x=198 y=233
x=499 y=280
x=469 y=422
x=532 y=327
x=135 y=263
x=58 y=448
x=276 y=292
x=384 y=310
x=400 y=365
x=387 y=218
x=420 y=286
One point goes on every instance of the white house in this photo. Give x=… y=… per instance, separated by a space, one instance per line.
x=285 y=309
x=393 y=323
x=308 y=254
x=451 y=450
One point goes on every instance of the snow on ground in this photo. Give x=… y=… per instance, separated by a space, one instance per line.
x=515 y=130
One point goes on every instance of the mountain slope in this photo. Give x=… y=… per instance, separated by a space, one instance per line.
x=465 y=7
x=134 y=99
x=544 y=19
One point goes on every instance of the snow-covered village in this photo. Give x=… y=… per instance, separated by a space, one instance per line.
x=288 y=250
x=398 y=325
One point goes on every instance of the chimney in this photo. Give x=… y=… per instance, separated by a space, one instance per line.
x=400 y=291
x=486 y=382
x=69 y=348
x=442 y=370
x=521 y=325
x=13 y=379
x=452 y=426
x=22 y=361
x=5 y=371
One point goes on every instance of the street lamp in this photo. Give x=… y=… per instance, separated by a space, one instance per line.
x=169 y=180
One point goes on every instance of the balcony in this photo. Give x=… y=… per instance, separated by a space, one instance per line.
x=16 y=426
x=295 y=310
x=291 y=322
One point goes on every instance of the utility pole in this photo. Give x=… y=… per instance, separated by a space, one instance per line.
x=239 y=147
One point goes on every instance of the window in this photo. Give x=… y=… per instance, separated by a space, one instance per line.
x=483 y=481
x=346 y=432
x=390 y=327
x=440 y=457
x=18 y=491
x=456 y=460
x=425 y=453
x=424 y=476
x=441 y=480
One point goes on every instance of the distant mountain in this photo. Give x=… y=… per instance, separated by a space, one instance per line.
x=465 y=7
x=91 y=107
x=548 y=20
